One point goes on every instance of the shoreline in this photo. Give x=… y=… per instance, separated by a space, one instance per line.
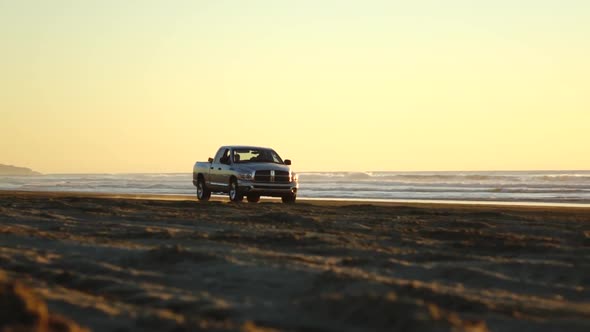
x=322 y=201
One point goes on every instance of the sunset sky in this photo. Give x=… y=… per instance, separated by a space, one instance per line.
x=152 y=86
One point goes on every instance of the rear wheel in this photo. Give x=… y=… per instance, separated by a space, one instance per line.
x=234 y=194
x=253 y=198
x=289 y=199
x=203 y=193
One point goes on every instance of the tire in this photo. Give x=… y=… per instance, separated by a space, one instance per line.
x=203 y=193
x=289 y=199
x=253 y=198
x=234 y=193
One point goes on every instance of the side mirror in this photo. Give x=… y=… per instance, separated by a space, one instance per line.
x=210 y=159
x=287 y=162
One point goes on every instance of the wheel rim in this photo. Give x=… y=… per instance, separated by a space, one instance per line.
x=200 y=189
x=232 y=191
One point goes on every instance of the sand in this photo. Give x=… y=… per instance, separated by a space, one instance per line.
x=139 y=263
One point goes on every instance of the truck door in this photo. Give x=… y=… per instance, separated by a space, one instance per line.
x=219 y=169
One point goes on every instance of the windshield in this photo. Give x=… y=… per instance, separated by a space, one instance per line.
x=253 y=155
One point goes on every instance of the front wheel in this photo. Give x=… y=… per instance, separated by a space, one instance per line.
x=203 y=193
x=234 y=195
x=289 y=199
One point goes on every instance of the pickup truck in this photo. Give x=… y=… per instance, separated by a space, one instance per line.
x=249 y=171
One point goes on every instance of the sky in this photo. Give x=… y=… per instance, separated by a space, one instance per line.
x=152 y=86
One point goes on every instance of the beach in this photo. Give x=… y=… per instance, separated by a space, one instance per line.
x=153 y=263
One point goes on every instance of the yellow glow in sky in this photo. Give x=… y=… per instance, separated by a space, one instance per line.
x=152 y=86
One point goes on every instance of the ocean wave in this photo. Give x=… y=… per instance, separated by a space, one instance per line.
x=466 y=178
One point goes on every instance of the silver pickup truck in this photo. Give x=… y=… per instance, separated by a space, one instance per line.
x=246 y=171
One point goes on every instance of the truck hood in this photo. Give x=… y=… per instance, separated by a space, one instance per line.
x=262 y=166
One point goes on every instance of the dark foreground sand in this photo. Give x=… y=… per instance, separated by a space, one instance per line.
x=121 y=264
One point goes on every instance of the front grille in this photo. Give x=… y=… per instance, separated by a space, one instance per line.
x=265 y=176
x=281 y=176
x=262 y=176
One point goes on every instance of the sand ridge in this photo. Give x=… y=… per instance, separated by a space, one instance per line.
x=137 y=264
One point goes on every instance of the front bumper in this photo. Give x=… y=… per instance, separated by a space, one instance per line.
x=267 y=188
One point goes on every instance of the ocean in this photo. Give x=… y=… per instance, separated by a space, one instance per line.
x=518 y=186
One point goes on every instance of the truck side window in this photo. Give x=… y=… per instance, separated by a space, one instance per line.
x=225 y=158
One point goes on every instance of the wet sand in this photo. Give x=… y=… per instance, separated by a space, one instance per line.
x=139 y=263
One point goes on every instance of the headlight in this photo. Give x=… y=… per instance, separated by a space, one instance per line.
x=248 y=176
x=294 y=177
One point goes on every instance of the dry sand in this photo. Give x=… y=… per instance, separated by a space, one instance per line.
x=143 y=264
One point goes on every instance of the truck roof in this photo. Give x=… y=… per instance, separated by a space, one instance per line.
x=244 y=147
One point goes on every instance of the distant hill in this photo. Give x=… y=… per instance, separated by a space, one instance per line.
x=13 y=170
